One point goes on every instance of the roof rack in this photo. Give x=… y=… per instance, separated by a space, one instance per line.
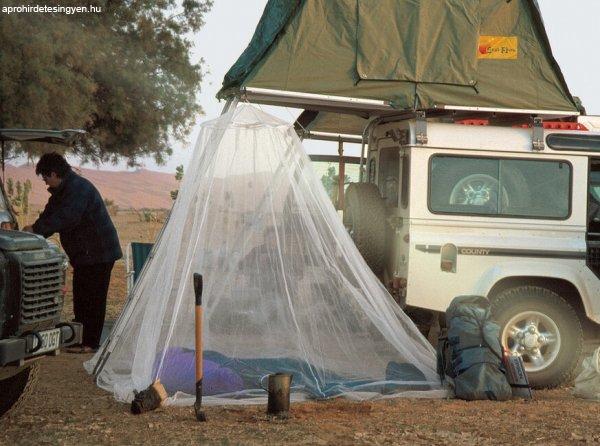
x=372 y=107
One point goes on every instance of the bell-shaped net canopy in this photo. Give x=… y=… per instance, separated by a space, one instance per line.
x=285 y=289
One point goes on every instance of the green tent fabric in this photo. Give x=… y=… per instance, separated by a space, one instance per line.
x=416 y=54
x=274 y=18
x=335 y=123
x=423 y=34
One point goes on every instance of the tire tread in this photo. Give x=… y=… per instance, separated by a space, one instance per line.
x=369 y=210
x=513 y=296
x=9 y=387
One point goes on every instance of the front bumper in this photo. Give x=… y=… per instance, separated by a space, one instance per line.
x=14 y=351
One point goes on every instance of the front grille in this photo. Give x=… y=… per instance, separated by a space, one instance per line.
x=41 y=284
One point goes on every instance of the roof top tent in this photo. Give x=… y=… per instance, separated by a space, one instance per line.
x=349 y=61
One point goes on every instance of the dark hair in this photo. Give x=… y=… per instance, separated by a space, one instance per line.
x=52 y=162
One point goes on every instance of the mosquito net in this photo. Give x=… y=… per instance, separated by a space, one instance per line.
x=285 y=289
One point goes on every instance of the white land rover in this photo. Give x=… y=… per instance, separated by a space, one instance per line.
x=505 y=212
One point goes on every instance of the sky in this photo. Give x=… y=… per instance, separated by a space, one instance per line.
x=572 y=28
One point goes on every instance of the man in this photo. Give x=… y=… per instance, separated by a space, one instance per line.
x=77 y=212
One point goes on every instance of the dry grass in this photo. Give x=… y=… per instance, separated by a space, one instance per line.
x=71 y=410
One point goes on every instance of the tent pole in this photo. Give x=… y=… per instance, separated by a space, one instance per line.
x=341 y=175
x=312 y=101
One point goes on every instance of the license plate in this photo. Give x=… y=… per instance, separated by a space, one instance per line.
x=50 y=341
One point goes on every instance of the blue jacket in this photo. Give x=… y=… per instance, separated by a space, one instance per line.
x=76 y=211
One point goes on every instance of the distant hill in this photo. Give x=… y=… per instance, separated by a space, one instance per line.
x=139 y=189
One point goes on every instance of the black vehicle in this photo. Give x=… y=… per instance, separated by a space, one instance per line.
x=32 y=281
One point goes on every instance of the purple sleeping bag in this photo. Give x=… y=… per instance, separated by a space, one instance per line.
x=178 y=374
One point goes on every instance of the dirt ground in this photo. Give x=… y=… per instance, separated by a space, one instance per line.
x=68 y=409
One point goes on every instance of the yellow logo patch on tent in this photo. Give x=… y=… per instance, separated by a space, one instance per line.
x=497 y=47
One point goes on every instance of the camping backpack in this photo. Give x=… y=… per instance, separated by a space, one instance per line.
x=470 y=353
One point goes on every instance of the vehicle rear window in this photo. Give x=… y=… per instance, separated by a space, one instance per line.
x=500 y=187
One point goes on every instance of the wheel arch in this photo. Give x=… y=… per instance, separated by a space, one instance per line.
x=548 y=364
x=566 y=289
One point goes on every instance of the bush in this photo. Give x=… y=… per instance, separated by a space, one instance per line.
x=147 y=216
x=18 y=196
x=111 y=207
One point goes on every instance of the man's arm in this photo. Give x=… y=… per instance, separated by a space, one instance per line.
x=66 y=214
x=44 y=214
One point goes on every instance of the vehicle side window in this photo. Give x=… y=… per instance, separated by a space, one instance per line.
x=500 y=187
x=595 y=185
x=593 y=205
x=389 y=171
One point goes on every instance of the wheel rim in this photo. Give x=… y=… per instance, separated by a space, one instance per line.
x=477 y=190
x=535 y=337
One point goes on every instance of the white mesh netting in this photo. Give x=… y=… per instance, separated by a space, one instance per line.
x=285 y=289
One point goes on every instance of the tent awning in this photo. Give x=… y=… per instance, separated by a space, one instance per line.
x=318 y=101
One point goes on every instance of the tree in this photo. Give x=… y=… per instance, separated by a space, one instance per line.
x=18 y=197
x=10 y=188
x=111 y=207
x=178 y=177
x=330 y=182
x=25 y=197
x=124 y=75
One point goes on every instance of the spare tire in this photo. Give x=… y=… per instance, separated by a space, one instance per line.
x=470 y=183
x=364 y=217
